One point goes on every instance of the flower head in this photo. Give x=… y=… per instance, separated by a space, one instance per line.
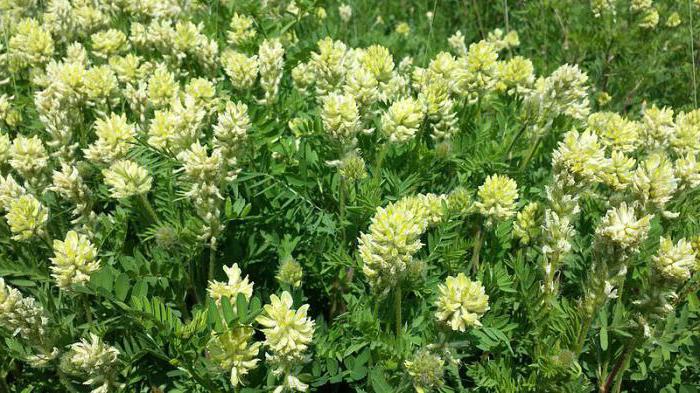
x=232 y=350
x=426 y=370
x=497 y=198
x=114 y=139
x=345 y=12
x=75 y=259
x=242 y=30
x=230 y=289
x=527 y=223
x=288 y=333
x=674 y=262
x=340 y=117
x=461 y=302
x=126 y=178
x=28 y=156
x=241 y=69
x=96 y=360
x=379 y=62
x=21 y=315
x=388 y=248
x=621 y=227
x=290 y=272
x=654 y=181
x=401 y=121
x=26 y=217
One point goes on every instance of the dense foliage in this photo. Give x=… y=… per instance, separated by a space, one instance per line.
x=270 y=196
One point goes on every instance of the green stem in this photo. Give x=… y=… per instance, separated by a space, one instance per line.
x=585 y=327
x=397 y=309
x=212 y=261
x=380 y=159
x=530 y=154
x=3 y=383
x=65 y=381
x=153 y=217
x=86 y=306
x=47 y=239
x=341 y=206
x=619 y=368
x=477 y=249
x=515 y=139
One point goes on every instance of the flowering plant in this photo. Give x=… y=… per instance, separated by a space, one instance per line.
x=298 y=195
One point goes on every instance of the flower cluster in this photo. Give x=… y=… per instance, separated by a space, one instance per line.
x=233 y=352
x=233 y=287
x=497 y=197
x=461 y=302
x=288 y=334
x=21 y=315
x=74 y=261
x=96 y=360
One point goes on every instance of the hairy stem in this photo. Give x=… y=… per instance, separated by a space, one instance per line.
x=212 y=260
x=530 y=154
x=619 y=368
x=517 y=136
x=341 y=206
x=397 y=308
x=153 y=217
x=477 y=248
x=86 y=307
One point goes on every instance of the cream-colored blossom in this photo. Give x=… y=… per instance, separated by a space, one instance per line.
x=687 y=170
x=461 y=302
x=497 y=197
x=426 y=370
x=614 y=131
x=657 y=127
x=340 y=117
x=674 y=262
x=28 y=156
x=654 y=181
x=621 y=227
x=241 y=31
x=388 y=247
x=95 y=360
x=288 y=333
x=115 y=137
x=241 y=69
x=527 y=223
x=235 y=285
x=345 y=12
x=271 y=63
x=126 y=178
x=26 y=217
x=686 y=136
x=290 y=272
x=21 y=315
x=233 y=351
x=161 y=86
x=108 y=43
x=75 y=259
x=401 y=122
x=580 y=155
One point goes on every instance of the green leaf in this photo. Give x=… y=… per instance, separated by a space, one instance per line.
x=379 y=384
x=242 y=307
x=227 y=310
x=121 y=286
x=140 y=289
x=103 y=279
x=603 y=316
